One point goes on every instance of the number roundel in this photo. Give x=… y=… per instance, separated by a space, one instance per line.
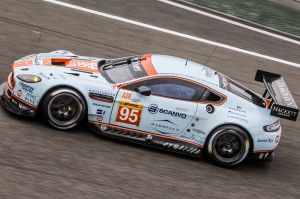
x=129 y=113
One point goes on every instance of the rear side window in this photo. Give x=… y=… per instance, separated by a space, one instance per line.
x=210 y=97
x=240 y=90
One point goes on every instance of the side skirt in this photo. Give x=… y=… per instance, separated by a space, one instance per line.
x=147 y=139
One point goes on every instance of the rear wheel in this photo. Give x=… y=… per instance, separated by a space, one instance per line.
x=228 y=146
x=64 y=108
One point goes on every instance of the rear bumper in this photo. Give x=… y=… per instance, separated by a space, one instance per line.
x=13 y=105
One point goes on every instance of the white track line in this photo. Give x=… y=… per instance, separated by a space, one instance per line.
x=173 y=32
x=229 y=21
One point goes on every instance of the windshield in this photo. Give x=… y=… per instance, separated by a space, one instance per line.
x=240 y=90
x=123 y=69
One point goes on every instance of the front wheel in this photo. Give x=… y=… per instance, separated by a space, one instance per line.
x=64 y=108
x=228 y=146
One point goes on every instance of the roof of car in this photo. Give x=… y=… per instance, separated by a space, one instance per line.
x=169 y=65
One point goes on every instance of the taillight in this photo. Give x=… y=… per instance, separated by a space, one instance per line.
x=272 y=127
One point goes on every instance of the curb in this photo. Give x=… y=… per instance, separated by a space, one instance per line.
x=236 y=19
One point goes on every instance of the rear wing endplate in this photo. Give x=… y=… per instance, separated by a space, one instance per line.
x=282 y=103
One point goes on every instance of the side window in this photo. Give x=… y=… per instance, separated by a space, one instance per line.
x=175 y=88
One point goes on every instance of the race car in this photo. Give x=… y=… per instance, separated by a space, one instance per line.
x=156 y=100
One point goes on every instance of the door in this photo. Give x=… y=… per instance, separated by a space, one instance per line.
x=167 y=111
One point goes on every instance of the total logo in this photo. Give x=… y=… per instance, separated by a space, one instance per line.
x=153 y=109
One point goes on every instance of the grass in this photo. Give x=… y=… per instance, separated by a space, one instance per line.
x=259 y=11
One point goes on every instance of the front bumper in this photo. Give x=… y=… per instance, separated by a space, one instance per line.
x=13 y=105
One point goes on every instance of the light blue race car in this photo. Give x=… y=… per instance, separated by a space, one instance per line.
x=156 y=100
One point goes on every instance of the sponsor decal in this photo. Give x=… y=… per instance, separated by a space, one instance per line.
x=101 y=97
x=99 y=118
x=164 y=126
x=26 y=87
x=101 y=105
x=19 y=93
x=100 y=112
x=277 y=139
x=14 y=101
x=37 y=61
x=288 y=99
x=238 y=109
x=183 y=148
x=126 y=96
x=223 y=82
x=181 y=109
x=266 y=140
x=30 y=98
x=114 y=87
x=235 y=113
x=129 y=113
x=191 y=136
x=149 y=138
x=136 y=67
x=208 y=72
x=210 y=109
x=237 y=118
x=19 y=63
x=102 y=92
x=198 y=131
x=284 y=112
x=23 y=107
x=153 y=109
x=136 y=100
x=45 y=76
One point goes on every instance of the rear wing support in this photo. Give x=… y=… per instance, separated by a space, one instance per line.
x=282 y=103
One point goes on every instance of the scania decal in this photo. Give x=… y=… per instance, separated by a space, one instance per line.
x=153 y=109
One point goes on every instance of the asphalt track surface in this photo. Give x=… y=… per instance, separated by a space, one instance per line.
x=39 y=162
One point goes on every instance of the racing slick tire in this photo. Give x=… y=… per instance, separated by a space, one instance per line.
x=63 y=108
x=228 y=146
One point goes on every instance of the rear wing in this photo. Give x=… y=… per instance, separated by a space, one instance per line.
x=282 y=103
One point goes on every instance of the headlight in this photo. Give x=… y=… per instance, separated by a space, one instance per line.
x=29 y=78
x=272 y=127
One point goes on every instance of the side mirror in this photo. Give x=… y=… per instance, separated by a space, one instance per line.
x=144 y=90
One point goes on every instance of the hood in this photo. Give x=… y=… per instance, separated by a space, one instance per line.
x=59 y=64
x=60 y=58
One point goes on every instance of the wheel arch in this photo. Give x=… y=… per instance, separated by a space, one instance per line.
x=230 y=124
x=59 y=87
